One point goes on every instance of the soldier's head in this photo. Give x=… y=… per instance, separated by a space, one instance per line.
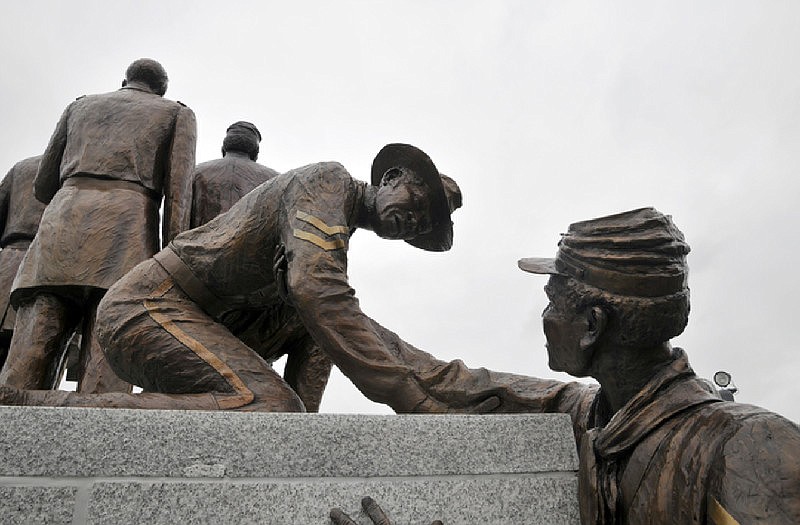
x=149 y=72
x=413 y=200
x=616 y=282
x=243 y=137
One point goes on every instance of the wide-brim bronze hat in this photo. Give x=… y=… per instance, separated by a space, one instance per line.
x=410 y=157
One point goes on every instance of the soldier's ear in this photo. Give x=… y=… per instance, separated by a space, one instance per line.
x=596 y=323
x=124 y=82
x=390 y=176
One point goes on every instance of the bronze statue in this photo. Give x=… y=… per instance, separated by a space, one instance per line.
x=109 y=162
x=166 y=325
x=218 y=185
x=20 y=214
x=656 y=443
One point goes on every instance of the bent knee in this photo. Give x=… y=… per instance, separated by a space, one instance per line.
x=274 y=399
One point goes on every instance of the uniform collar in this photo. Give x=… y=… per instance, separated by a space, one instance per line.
x=672 y=390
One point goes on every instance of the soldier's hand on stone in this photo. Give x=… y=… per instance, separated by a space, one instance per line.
x=280 y=268
x=371 y=509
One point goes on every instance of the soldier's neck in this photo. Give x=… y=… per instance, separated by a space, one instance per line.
x=624 y=371
x=139 y=86
x=366 y=206
x=238 y=154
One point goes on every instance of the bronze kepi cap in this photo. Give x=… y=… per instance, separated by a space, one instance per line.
x=636 y=253
x=244 y=127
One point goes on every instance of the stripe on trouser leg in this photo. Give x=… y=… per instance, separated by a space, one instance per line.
x=245 y=395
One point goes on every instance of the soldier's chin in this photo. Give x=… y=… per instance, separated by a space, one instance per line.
x=554 y=366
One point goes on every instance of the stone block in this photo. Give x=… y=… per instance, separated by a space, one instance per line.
x=164 y=467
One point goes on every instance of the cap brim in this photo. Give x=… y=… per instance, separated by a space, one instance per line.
x=439 y=240
x=540 y=265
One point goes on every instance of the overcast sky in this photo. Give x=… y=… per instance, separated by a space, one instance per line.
x=545 y=113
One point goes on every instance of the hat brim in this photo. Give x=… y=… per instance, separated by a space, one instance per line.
x=540 y=265
x=439 y=240
x=413 y=158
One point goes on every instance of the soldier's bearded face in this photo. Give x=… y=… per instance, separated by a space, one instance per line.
x=564 y=326
x=402 y=210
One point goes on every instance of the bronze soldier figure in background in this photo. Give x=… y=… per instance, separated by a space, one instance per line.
x=218 y=185
x=656 y=443
x=20 y=214
x=109 y=162
x=165 y=325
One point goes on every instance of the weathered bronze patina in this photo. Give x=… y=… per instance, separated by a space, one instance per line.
x=109 y=162
x=20 y=214
x=218 y=185
x=169 y=325
x=656 y=443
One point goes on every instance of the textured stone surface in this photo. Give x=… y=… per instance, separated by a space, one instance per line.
x=102 y=443
x=166 y=467
x=455 y=500
x=33 y=505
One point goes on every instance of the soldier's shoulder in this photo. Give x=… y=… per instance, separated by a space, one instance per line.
x=208 y=168
x=83 y=99
x=324 y=174
x=750 y=433
x=182 y=107
x=266 y=171
x=29 y=164
x=759 y=458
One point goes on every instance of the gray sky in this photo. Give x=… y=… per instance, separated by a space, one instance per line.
x=545 y=113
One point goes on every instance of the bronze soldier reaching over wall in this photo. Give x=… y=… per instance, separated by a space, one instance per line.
x=656 y=443
x=165 y=325
x=218 y=185
x=109 y=162
x=20 y=214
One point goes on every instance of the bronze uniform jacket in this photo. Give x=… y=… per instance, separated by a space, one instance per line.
x=219 y=184
x=141 y=147
x=311 y=211
x=20 y=213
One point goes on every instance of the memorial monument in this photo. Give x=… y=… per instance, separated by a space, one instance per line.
x=263 y=273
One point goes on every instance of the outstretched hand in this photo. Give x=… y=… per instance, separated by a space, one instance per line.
x=433 y=406
x=372 y=509
x=280 y=268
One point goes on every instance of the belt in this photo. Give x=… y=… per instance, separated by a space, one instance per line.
x=93 y=183
x=189 y=283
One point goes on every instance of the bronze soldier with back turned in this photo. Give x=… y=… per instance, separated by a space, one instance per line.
x=110 y=161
